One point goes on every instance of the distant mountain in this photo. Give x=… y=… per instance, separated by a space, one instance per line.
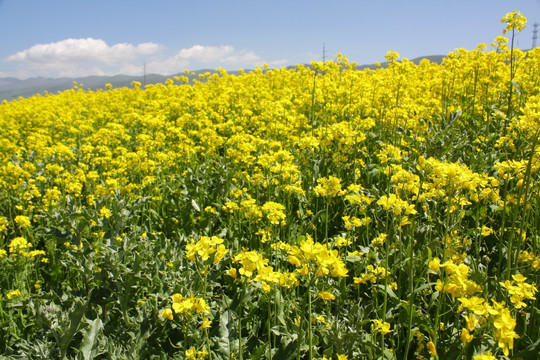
x=12 y=88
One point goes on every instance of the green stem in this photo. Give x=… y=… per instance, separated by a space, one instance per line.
x=269 y=329
x=208 y=344
x=411 y=295
x=240 y=323
x=326 y=224
x=385 y=299
x=310 y=330
x=510 y=90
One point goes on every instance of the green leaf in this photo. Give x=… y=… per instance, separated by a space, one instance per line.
x=89 y=342
x=224 y=341
x=389 y=291
x=75 y=319
x=529 y=353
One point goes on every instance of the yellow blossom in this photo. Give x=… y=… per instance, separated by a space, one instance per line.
x=167 y=314
x=23 y=221
x=13 y=294
x=381 y=326
x=325 y=295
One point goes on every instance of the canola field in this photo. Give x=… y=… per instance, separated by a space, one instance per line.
x=318 y=212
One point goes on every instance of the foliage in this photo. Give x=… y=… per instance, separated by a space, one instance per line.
x=314 y=212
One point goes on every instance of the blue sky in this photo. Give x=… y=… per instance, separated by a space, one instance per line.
x=55 y=38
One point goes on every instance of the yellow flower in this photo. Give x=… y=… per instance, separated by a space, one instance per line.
x=488 y=356
x=220 y=253
x=514 y=21
x=205 y=324
x=391 y=55
x=486 y=231
x=329 y=187
x=304 y=270
x=472 y=321
x=432 y=349
x=201 y=306
x=274 y=212
x=191 y=353
x=379 y=240
x=3 y=223
x=18 y=246
x=232 y=273
x=504 y=330
x=205 y=248
x=23 y=221
x=466 y=336
x=435 y=264
x=105 y=213
x=519 y=290
x=381 y=326
x=14 y=294
x=475 y=304
x=167 y=314
x=325 y=295
x=210 y=209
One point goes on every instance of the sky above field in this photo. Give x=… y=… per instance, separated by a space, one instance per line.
x=59 y=38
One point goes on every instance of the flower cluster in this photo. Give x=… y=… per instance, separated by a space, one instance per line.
x=314 y=257
x=185 y=306
x=205 y=248
x=456 y=282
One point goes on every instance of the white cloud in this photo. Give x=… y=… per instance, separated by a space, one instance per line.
x=77 y=50
x=198 y=57
x=205 y=53
x=79 y=57
x=83 y=57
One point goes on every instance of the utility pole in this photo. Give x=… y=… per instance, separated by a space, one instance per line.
x=324 y=52
x=535 y=35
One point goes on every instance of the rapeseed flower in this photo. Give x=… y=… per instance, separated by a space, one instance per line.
x=14 y=294
x=432 y=349
x=329 y=187
x=3 y=223
x=206 y=324
x=23 y=221
x=519 y=290
x=504 y=325
x=19 y=246
x=326 y=296
x=274 y=212
x=435 y=264
x=466 y=335
x=167 y=314
x=205 y=248
x=105 y=213
x=189 y=305
x=514 y=21
x=381 y=326
x=457 y=282
x=486 y=231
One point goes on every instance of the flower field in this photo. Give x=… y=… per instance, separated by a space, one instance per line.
x=307 y=213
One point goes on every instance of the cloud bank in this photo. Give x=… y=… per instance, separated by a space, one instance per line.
x=84 y=57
